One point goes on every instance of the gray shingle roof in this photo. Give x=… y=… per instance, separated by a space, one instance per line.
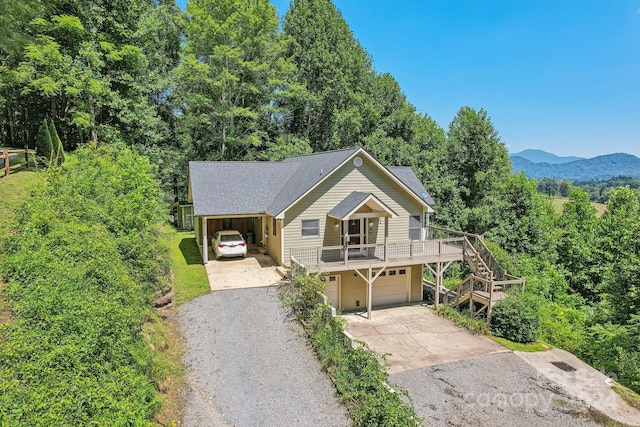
x=255 y=188
x=348 y=204
x=236 y=188
x=352 y=201
x=313 y=168
x=406 y=175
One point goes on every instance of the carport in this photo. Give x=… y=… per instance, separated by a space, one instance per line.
x=250 y=226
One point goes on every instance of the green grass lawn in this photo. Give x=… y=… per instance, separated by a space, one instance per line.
x=190 y=279
x=13 y=190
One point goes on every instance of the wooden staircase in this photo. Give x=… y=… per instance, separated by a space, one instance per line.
x=487 y=284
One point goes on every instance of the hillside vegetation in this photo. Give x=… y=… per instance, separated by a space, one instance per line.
x=83 y=259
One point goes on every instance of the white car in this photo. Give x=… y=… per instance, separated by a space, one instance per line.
x=229 y=243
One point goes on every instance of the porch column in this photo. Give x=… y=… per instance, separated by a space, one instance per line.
x=205 y=246
x=369 y=293
x=345 y=234
x=386 y=234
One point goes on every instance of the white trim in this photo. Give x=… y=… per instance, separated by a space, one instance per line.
x=303 y=228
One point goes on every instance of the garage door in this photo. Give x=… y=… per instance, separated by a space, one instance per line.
x=332 y=290
x=391 y=286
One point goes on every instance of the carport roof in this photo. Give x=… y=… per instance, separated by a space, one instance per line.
x=256 y=188
x=236 y=188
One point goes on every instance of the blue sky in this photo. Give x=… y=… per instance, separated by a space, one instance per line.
x=557 y=75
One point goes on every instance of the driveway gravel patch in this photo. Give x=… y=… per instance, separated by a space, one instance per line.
x=490 y=390
x=248 y=364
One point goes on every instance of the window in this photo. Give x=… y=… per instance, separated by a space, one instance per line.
x=310 y=228
x=274 y=226
x=414 y=227
x=392 y=272
x=402 y=271
x=384 y=273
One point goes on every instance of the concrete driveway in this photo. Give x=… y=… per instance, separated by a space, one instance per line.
x=416 y=337
x=254 y=271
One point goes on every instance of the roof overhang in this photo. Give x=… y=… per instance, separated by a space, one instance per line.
x=355 y=201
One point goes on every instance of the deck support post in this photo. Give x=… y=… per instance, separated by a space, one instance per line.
x=205 y=246
x=438 y=283
x=471 y=286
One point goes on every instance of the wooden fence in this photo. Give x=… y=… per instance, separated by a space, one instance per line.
x=8 y=155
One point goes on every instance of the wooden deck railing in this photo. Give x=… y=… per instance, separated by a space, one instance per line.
x=423 y=250
x=477 y=242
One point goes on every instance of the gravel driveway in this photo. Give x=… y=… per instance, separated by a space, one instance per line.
x=248 y=365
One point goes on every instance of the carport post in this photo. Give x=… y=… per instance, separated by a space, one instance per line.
x=205 y=247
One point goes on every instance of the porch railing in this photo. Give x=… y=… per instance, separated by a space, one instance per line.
x=351 y=254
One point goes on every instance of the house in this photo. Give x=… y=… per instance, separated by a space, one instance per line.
x=341 y=213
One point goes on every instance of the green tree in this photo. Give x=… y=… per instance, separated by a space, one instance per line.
x=516 y=217
x=576 y=245
x=334 y=110
x=86 y=67
x=476 y=155
x=229 y=78
x=548 y=186
x=619 y=249
x=564 y=187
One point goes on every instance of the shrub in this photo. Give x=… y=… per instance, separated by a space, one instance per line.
x=561 y=326
x=516 y=318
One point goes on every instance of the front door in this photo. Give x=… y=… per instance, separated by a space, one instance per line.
x=356 y=235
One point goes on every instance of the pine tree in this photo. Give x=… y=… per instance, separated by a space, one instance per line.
x=57 y=149
x=44 y=145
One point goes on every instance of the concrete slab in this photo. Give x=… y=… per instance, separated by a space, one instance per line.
x=584 y=382
x=415 y=337
x=254 y=271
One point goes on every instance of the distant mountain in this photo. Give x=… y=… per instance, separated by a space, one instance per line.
x=540 y=156
x=598 y=168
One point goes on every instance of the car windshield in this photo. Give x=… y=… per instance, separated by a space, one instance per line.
x=230 y=238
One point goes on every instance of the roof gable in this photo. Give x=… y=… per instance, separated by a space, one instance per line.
x=313 y=169
x=354 y=201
